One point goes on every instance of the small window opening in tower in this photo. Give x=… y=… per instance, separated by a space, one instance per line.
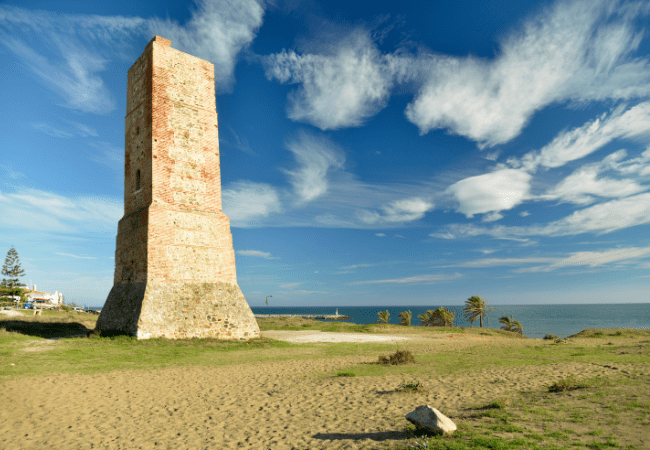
x=137 y=180
x=137 y=130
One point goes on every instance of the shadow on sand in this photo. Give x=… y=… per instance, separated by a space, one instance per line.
x=376 y=436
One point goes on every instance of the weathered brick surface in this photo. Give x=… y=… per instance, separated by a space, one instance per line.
x=175 y=270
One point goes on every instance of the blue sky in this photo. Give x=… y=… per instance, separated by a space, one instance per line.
x=372 y=153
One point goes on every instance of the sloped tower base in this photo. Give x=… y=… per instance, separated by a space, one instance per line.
x=178 y=311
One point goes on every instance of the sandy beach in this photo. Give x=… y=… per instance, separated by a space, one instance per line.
x=294 y=402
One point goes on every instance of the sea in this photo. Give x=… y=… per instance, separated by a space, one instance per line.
x=536 y=320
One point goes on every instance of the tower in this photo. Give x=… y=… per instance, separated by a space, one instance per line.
x=175 y=271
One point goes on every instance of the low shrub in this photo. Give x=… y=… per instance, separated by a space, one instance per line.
x=346 y=374
x=550 y=337
x=410 y=386
x=398 y=358
x=567 y=384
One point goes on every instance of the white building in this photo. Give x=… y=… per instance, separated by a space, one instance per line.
x=56 y=298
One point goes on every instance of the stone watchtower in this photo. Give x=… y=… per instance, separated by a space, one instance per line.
x=174 y=263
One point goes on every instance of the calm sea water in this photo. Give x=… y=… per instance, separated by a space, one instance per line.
x=537 y=320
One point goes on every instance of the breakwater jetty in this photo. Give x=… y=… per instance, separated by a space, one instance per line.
x=304 y=316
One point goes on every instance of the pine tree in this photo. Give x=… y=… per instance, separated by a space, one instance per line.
x=11 y=268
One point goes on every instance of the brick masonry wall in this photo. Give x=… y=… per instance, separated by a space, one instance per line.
x=174 y=260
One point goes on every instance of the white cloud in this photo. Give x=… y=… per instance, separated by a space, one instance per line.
x=77 y=128
x=68 y=52
x=404 y=210
x=339 y=89
x=107 y=154
x=51 y=130
x=582 y=185
x=11 y=174
x=594 y=259
x=217 y=31
x=380 y=234
x=604 y=217
x=356 y=266
x=290 y=285
x=245 y=201
x=75 y=59
x=33 y=209
x=317 y=158
x=577 y=50
x=418 y=279
x=74 y=256
x=495 y=191
x=83 y=130
x=256 y=253
x=582 y=141
x=492 y=217
x=601 y=218
x=495 y=262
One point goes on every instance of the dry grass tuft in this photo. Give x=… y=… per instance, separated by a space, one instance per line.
x=398 y=358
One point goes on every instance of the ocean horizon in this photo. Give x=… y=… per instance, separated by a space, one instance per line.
x=537 y=320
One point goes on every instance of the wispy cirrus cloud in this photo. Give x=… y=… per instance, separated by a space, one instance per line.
x=403 y=210
x=70 y=255
x=601 y=218
x=51 y=130
x=570 y=145
x=496 y=262
x=508 y=185
x=107 y=154
x=572 y=51
x=357 y=266
x=80 y=47
x=629 y=255
x=317 y=157
x=256 y=254
x=245 y=202
x=35 y=209
x=74 y=128
x=585 y=184
x=290 y=285
x=578 y=51
x=418 y=279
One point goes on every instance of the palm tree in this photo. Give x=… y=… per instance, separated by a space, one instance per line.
x=426 y=319
x=511 y=325
x=405 y=318
x=443 y=317
x=475 y=307
x=440 y=317
x=383 y=316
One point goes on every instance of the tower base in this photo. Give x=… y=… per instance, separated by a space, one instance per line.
x=178 y=310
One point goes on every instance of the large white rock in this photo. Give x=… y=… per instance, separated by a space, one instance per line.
x=431 y=419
